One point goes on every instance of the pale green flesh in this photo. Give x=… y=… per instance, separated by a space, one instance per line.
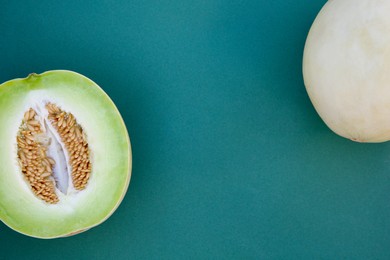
x=108 y=140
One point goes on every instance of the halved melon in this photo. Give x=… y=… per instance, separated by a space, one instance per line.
x=65 y=158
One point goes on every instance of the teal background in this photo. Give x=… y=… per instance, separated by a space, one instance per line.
x=230 y=160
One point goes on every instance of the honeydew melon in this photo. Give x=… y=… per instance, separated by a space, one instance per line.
x=346 y=68
x=65 y=157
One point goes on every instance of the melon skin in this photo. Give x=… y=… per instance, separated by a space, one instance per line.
x=346 y=68
x=109 y=142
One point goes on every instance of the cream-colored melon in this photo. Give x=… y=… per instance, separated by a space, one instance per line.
x=346 y=68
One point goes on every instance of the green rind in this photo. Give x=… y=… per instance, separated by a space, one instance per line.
x=19 y=208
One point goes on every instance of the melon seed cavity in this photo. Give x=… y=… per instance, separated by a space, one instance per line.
x=53 y=152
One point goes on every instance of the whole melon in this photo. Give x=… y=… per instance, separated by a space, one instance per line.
x=346 y=68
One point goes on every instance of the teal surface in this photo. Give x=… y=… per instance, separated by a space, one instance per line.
x=230 y=159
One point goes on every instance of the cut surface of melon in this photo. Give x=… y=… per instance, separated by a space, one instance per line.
x=65 y=162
